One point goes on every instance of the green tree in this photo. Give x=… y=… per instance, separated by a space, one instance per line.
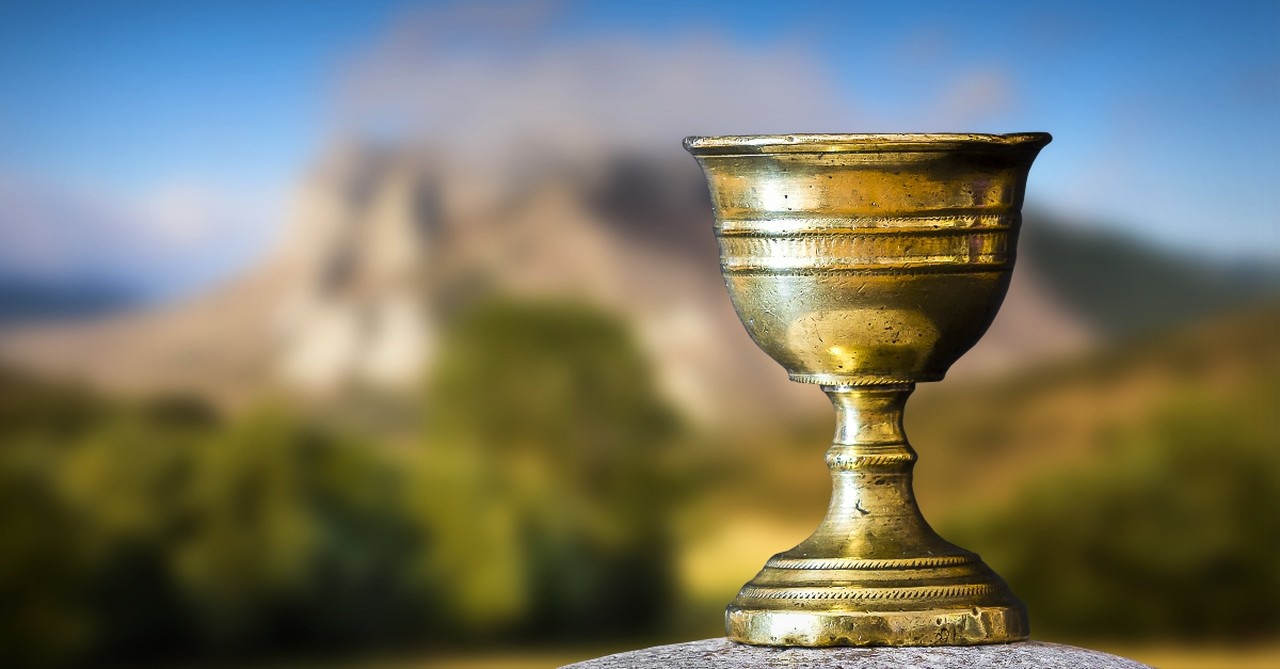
x=545 y=478
x=143 y=532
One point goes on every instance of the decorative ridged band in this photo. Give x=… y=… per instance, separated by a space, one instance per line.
x=871 y=565
x=938 y=224
x=844 y=252
x=847 y=461
x=836 y=381
x=896 y=270
x=860 y=593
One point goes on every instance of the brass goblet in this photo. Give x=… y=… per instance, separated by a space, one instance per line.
x=867 y=264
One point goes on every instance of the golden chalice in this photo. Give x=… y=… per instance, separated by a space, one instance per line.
x=867 y=264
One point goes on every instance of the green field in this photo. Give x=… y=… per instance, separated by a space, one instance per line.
x=1128 y=496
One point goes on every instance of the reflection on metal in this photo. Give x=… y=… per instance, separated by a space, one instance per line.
x=867 y=264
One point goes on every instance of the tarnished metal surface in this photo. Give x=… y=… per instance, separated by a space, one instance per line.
x=866 y=264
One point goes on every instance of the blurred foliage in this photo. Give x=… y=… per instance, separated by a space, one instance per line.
x=531 y=503
x=153 y=530
x=546 y=474
x=1126 y=495
x=1173 y=535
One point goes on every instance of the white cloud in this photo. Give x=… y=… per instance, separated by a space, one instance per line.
x=186 y=214
x=172 y=238
x=476 y=96
x=974 y=97
x=489 y=80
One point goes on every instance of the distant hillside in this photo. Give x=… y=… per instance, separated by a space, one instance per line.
x=23 y=300
x=384 y=245
x=1131 y=495
x=1129 y=491
x=1124 y=285
x=979 y=439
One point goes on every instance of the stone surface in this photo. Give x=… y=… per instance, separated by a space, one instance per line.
x=724 y=654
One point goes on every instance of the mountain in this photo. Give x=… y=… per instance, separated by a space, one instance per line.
x=384 y=243
x=1122 y=286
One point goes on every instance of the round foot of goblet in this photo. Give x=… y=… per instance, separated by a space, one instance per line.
x=874 y=573
x=941 y=600
x=942 y=625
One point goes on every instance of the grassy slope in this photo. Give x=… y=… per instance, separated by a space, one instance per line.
x=983 y=445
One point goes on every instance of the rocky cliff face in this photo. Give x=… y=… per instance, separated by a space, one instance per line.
x=359 y=255
x=385 y=243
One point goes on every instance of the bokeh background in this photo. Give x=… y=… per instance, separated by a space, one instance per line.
x=348 y=333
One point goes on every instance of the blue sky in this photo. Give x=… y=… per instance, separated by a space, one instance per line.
x=1165 y=114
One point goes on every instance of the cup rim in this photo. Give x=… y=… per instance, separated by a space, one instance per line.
x=860 y=142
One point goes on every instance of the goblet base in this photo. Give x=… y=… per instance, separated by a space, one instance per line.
x=929 y=627
x=874 y=573
x=932 y=610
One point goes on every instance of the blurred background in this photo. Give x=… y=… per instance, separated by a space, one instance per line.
x=341 y=334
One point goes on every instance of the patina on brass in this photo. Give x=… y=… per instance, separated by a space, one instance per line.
x=867 y=264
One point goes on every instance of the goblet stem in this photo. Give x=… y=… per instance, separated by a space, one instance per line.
x=871 y=463
x=874 y=572
x=873 y=512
